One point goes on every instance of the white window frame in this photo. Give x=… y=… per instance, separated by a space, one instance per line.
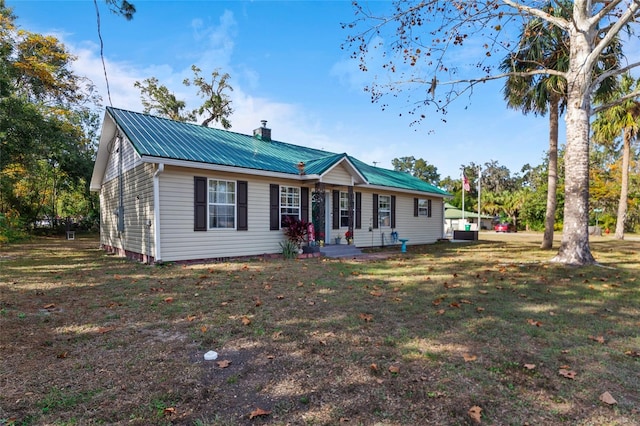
x=384 y=210
x=424 y=207
x=344 y=209
x=289 y=202
x=213 y=202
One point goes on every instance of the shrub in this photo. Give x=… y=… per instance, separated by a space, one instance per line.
x=295 y=230
x=289 y=249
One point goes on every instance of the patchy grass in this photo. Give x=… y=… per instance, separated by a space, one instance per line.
x=411 y=339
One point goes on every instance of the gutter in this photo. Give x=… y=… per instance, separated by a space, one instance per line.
x=156 y=212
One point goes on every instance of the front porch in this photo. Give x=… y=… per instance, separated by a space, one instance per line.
x=340 y=250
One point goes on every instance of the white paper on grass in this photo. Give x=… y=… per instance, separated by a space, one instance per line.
x=211 y=355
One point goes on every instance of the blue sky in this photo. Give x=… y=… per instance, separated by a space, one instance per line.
x=287 y=67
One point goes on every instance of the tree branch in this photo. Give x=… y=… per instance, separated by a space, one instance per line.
x=555 y=20
x=600 y=108
x=611 y=73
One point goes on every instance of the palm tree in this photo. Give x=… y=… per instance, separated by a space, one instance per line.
x=622 y=118
x=541 y=46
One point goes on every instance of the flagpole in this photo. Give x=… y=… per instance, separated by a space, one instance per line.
x=462 y=181
x=479 y=177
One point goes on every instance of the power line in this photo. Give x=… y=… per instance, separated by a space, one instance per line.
x=104 y=67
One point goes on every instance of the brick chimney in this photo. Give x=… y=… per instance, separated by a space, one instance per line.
x=262 y=133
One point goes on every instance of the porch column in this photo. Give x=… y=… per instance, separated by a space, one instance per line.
x=351 y=209
x=318 y=209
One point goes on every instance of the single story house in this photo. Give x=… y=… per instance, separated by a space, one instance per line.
x=455 y=220
x=175 y=191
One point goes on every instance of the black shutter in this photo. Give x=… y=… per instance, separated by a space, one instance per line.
x=199 y=203
x=375 y=211
x=415 y=207
x=274 y=207
x=304 y=204
x=428 y=208
x=358 y=210
x=393 y=211
x=336 y=209
x=242 y=201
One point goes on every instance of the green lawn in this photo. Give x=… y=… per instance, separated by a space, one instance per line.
x=417 y=338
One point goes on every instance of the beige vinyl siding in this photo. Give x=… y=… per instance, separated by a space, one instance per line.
x=130 y=159
x=338 y=176
x=179 y=240
x=138 y=210
x=418 y=230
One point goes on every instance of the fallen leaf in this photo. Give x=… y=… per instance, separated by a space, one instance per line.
x=469 y=358
x=599 y=339
x=475 y=414
x=466 y=301
x=394 y=369
x=454 y=304
x=366 y=317
x=569 y=374
x=258 y=302
x=375 y=293
x=374 y=367
x=479 y=309
x=440 y=312
x=635 y=354
x=608 y=399
x=259 y=412
x=191 y=318
x=62 y=355
x=483 y=292
x=103 y=330
x=168 y=299
x=529 y=366
x=280 y=297
x=169 y=411
x=436 y=302
x=246 y=320
x=534 y=322
x=49 y=306
x=223 y=363
x=203 y=328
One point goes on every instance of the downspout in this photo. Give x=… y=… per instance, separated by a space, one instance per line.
x=156 y=212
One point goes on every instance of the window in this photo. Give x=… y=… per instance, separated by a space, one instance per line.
x=384 y=211
x=424 y=207
x=344 y=209
x=289 y=203
x=222 y=204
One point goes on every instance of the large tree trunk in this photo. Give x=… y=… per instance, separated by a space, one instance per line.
x=624 y=189
x=552 y=172
x=574 y=248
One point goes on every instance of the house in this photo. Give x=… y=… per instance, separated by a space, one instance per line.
x=174 y=191
x=456 y=219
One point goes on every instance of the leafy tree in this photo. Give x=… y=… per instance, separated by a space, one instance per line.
x=159 y=100
x=419 y=168
x=217 y=103
x=427 y=35
x=45 y=122
x=216 y=107
x=621 y=119
x=122 y=8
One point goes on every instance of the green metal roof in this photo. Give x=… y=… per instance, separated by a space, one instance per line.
x=164 y=138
